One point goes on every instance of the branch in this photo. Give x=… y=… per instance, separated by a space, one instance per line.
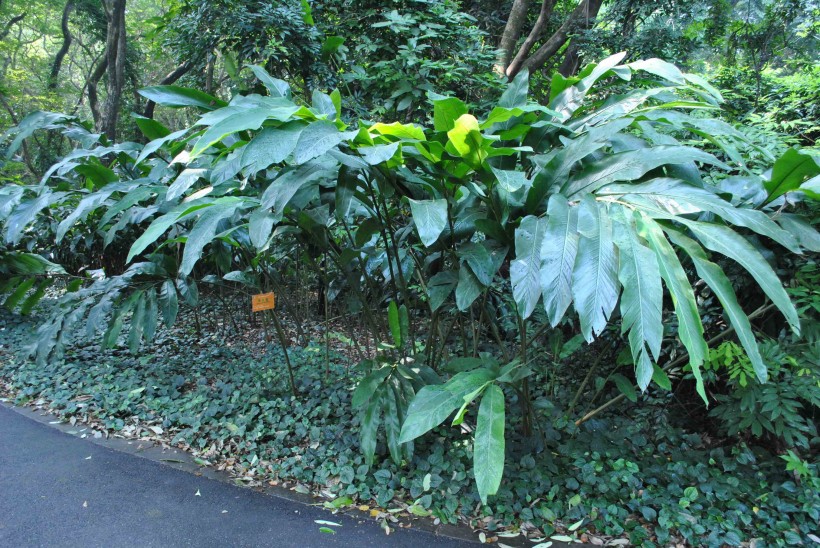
x=13 y=21
x=537 y=30
x=170 y=78
x=512 y=30
x=61 y=53
x=674 y=363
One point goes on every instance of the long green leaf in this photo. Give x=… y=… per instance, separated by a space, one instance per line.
x=488 y=448
x=690 y=328
x=595 y=276
x=716 y=279
x=642 y=298
x=525 y=270
x=726 y=241
x=430 y=218
x=558 y=252
x=203 y=232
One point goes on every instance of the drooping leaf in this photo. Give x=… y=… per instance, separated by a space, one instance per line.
x=690 y=328
x=468 y=288
x=525 y=270
x=204 y=230
x=430 y=218
x=489 y=445
x=558 y=252
x=716 y=279
x=642 y=298
x=726 y=241
x=595 y=276
x=176 y=96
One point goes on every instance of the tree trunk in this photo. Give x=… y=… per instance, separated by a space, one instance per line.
x=93 y=100
x=581 y=18
x=512 y=31
x=61 y=53
x=115 y=57
x=537 y=30
x=571 y=61
x=11 y=22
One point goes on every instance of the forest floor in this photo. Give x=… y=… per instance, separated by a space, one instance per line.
x=214 y=388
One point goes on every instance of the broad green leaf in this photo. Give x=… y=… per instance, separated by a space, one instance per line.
x=270 y=146
x=276 y=87
x=430 y=218
x=159 y=225
x=397 y=129
x=393 y=322
x=789 y=172
x=440 y=287
x=431 y=407
x=446 y=110
x=488 y=444
x=525 y=270
x=183 y=182
x=367 y=387
x=632 y=165
x=316 y=139
x=625 y=387
x=466 y=139
x=150 y=128
x=157 y=144
x=468 y=288
x=510 y=180
x=690 y=328
x=323 y=104
x=204 y=231
x=726 y=241
x=595 y=276
x=516 y=93
x=558 y=252
x=642 y=298
x=260 y=227
x=434 y=403
x=281 y=190
x=380 y=153
x=240 y=119
x=659 y=68
x=483 y=261
x=716 y=279
x=176 y=96
x=168 y=303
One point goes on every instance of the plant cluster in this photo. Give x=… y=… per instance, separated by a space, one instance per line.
x=589 y=216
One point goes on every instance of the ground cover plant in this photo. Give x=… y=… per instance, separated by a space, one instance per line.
x=573 y=304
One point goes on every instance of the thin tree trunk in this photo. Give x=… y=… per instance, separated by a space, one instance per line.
x=536 y=32
x=93 y=99
x=115 y=43
x=61 y=53
x=512 y=31
x=571 y=61
x=580 y=18
x=13 y=21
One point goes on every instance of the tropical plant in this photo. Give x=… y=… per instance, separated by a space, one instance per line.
x=591 y=201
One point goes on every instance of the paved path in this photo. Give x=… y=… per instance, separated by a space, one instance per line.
x=52 y=494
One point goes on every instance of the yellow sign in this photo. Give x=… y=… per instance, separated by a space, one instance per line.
x=263 y=301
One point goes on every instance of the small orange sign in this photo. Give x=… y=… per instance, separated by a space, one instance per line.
x=263 y=301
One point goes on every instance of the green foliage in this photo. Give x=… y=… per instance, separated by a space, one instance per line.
x=591 y=200
x=784 y=408
x=628 y=475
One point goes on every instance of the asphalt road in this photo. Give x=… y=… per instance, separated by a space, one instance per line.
x=53 y=494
